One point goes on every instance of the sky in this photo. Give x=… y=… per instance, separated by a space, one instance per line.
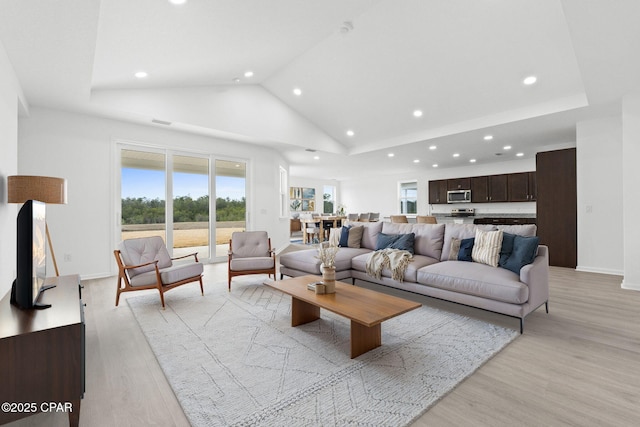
x=150 y=184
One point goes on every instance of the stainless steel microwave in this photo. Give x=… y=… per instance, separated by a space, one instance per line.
x=459 y=196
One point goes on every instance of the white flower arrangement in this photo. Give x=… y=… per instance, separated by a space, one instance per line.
x=327 y=255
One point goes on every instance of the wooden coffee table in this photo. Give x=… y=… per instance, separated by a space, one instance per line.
x=365 y=308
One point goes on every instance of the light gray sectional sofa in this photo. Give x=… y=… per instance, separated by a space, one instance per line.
x=432 y=273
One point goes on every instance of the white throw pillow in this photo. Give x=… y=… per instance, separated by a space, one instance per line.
x=486 y=247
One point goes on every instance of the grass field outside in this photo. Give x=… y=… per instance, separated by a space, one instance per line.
x=185 y=234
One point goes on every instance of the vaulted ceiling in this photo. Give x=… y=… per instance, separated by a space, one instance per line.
x=362 y=68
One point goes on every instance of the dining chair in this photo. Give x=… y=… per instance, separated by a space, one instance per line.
x=399 y=219
x=352 y=217
x=374 y=216
x=426 y=219
x=363 y=217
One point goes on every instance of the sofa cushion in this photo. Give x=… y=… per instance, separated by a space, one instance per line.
x=370 y=235
x=428 y=237
x=396 y=241
x=523 y=252
x=460 y=231
x=307 y=261
x=526 y=230
x=476 y=279
x=486 y=247
x=410 y=274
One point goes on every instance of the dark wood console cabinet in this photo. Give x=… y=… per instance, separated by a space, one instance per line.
x=42 y=353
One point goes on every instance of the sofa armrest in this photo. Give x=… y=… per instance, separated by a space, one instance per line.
x=536 y=276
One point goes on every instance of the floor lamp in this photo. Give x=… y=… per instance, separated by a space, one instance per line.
x=45 y=189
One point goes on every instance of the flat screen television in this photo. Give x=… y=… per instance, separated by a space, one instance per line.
x=31 y=268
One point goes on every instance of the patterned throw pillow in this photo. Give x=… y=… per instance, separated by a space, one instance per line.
x=455 y=248
x=486 y=247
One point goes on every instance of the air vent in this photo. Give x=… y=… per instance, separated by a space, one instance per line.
x=161 y=122
x=311 y=150
x=498 y=154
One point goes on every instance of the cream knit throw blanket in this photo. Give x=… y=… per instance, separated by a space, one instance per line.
x=396 y=260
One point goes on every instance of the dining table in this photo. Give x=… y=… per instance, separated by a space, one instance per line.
x=324 y=223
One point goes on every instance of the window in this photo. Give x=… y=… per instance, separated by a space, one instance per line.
x=409 y=197
x=328 y=199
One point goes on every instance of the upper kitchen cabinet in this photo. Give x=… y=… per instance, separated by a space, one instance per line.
x=522 y=187
x=438 y=191
x=498 y=188
x=459 y=184
x=480 y=189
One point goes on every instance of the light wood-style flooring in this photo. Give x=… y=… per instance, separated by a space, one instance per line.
x=579 y=365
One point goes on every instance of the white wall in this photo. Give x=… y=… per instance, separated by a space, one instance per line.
x=630 y=180
x=599 y=178
x=9 y=97
x=81 y=149
x=380 y=194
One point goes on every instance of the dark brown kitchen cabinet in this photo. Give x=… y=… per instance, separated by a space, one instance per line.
x=498 y=185
x=459 y=184
x=522 y=187
x=479 y=189
x=438 y=191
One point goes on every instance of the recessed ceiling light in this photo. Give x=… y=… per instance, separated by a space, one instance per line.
x=177 y=2
x=141 y=74
x=472 y=160
x=316 y=157
x=237 y=165
x=390 y=155
x=435 y=165
x=417 y=113
x=507 y=147
x=488 y=137
x=530 y=80
x=416 y=161
x=456 y=154
x=248 y=74
x=520 y=154
x=432 y=147
x=236 y=80
x=297 y=91
x=350 y=133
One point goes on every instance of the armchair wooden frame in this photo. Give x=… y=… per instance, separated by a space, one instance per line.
x=234 y=273
x=125 y=286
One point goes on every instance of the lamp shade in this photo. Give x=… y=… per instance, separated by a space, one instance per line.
x=42 y=188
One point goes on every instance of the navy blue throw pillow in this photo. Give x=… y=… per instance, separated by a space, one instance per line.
x=344 y=236
x=507 y=248
x=403 y=242
x=524 y=252
x=466 y=246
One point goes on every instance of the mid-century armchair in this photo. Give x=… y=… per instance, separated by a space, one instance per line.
x=144 y=263
x=250 y=252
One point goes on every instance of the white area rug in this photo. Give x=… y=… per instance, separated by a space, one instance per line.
x=234 y=359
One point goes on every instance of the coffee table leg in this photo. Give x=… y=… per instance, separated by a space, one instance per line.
x=364 y=338
x=303 y=312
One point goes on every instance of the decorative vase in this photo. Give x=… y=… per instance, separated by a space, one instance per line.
x=329 y=279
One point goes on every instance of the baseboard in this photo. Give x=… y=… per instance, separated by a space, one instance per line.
x=630 y=286
x=96 y=276
x=600 y=270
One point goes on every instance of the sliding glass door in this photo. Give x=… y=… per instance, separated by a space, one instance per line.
x=142 y=194
x=190 y=184
x=231 y=205
x=171 y=195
